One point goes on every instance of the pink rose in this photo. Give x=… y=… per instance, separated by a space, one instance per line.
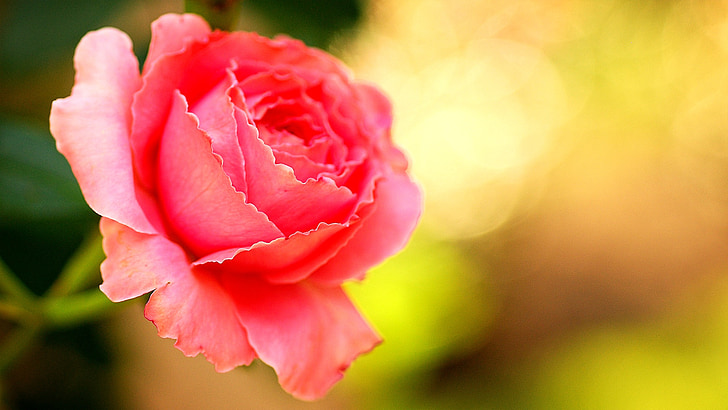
x=243 y=180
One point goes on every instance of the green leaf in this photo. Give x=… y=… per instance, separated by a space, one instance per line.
x=36 y=31
x=35 y=180
x=316 y=23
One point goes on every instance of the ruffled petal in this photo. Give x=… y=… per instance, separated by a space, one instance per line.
x=92 y=126
x=397 y=208
x=151 y=104
x=215 y=112
x=284 y=260
x=193 y=308
x=199 y=201
x=189 y=305
x=136 y=263
x=333 y=95
x=171 y=33
x=317 y=151
x=292 y=205
x=303 y=167
x=308 y=334
x=259 y=85
x=375 y=109
x=268 y=54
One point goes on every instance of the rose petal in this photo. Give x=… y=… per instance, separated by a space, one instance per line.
x=318 y=150
x=375 y=109
x=258 y=85
x=206 y=65
x=188 y=305
x=273 y=188
x=193 y=308
x=397 y=207
x=332 y=94
x=360 y=176
x=308 y=334
x=215 y=112
x=152 y=103
x=91 y=128
x=136 y=263
x=282 y=100
x=376 y=123
x=280 y=52
x=172 y=32
x=199 y=201
x=285 y=260
x=303 y=167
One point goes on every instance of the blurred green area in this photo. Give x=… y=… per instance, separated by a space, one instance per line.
x=573 y=250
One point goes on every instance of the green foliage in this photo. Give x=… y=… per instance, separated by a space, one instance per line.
x=36 y=31
x=315 y=22
x=36 y=181
x=41 y=207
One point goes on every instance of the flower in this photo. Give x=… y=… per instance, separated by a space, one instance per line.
x=242 y=180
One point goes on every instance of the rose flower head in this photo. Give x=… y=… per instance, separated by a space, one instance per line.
x=242 y=179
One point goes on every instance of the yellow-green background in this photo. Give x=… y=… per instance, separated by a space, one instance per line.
x=573 y=253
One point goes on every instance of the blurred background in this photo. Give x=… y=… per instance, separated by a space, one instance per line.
x=573 y=250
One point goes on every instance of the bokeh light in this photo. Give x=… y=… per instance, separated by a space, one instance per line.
x=475 y=109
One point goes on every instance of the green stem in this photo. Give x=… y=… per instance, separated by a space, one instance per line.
x=49 y=313
x=75 y=309
x=13 y=311
x=19 y=304
x=14 y=288
x=61 y=306
x=82 y=269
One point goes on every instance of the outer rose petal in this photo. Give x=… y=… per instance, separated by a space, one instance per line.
x=92 y=126
x=151 y=104
x=194 y=309
x=398 y=204
x=188 y=305
x=375 y=108
x=171 y=32
x=136 y=263
x=281 y=51
x=308 y=334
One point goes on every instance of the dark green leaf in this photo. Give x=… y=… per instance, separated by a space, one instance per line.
x=35 y=180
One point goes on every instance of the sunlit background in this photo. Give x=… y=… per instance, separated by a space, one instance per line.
x=573 y=252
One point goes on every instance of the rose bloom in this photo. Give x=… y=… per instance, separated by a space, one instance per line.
x=242 y=180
